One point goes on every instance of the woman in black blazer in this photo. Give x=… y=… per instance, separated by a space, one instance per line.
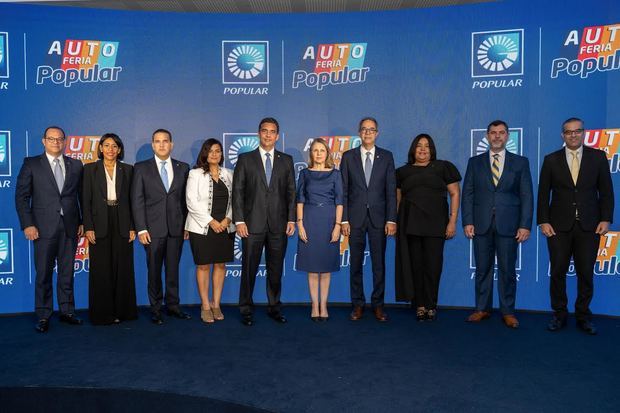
x=109 y=228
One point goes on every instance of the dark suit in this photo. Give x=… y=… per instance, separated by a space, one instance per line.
x=162 y=214
x=497 y=212
x=265 y=209
x=39 y=203
x=574 y=212
x=367 y=208
x=111 y=283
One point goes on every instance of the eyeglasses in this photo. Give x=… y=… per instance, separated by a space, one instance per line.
x=268 y=132
x=572 y=132
x=368 y=130
x=55 y=140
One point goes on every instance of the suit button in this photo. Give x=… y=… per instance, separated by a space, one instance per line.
x=576 y=190
x=574 y=204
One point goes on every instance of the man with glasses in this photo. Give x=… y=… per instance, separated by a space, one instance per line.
x=369 y=185
x=575 y=207
x=497 y=209
x=47 y=203
x=264 y=213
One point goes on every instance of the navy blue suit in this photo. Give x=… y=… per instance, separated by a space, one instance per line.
x=39 y=203
x=496 y=214
x=367 y=208
x=162 y=214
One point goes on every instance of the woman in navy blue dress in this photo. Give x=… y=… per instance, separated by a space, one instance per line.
x=319 y=216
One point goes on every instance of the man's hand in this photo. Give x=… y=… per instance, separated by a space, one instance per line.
x=602 y=228
x=31 y=233
x=547 y=230
x=80 y=231
x=346 y=229
x=90 y=236
x=290 y=228
x=144 y=238
x=522 y=235
x=469 y=231
x=132 y=236
x=242 y=230
x=390 y=229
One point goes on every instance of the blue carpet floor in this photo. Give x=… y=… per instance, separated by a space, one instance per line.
x=338 y=366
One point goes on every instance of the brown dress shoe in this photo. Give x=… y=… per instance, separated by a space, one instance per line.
x=478 y=316
x=379 y=314
x=357 y=313
x=511 y=321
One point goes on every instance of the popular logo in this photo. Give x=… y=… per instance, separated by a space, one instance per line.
x=80 y=61
x=5 y=153
x=480 y=144
x=4 y=55
x=82 y=148
x=6 y=251
x=234 y=269
x=238 y=143
x=332 y=64
x=337 y=145
x=596 y=49
x=495 y=54
x=607 y=140
x=472 y=263
x=246 y=63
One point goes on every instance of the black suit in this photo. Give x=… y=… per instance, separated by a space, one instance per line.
x=39 y=203
x=265 y=209
x=111 y=283
x=162 y=214
x=574 y=211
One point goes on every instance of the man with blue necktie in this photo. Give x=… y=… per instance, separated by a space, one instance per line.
x=369 y=186
x=497 y=207
x=47 y=202
x=159 y=211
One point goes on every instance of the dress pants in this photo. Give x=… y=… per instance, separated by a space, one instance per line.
x=486 y=247
x=59 y=249
x=357 y=245
x=161 y=252
x=583 y=247
x=426 y=255
x=275 y=249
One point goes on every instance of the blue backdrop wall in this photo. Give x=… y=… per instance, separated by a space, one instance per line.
x=445 y=71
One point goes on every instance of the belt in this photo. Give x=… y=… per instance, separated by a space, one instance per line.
x=112 y=203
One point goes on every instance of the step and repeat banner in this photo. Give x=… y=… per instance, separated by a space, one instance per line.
x=444 y=71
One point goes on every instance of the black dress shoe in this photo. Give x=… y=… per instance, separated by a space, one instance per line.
x=42 y=325
x=587 y=326
x=324 y=318
x=70 y=319
x=157 y=319
x=556 y=324
x=179 y=314
x=277 y=317
x=247 y=320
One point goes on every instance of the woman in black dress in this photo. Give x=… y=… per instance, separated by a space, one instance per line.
x=424 y=224
x=108 y=226
x=209 y=222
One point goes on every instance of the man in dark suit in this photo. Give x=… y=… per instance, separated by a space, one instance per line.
x=264 y=213
x=159 y=211
x=575 y=207
x=369 y=185
x=497 y=206
x=47 y=202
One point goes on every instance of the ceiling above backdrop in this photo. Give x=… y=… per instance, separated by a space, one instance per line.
x=255 y=6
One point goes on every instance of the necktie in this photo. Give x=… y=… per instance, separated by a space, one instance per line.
x=574 y=166
x=268 y=168
x=164 y=175
x=495 y=169
x=58 y=176
x=367 y=168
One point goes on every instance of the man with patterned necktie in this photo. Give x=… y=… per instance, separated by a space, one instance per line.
x=159 y=211
x=497 y=207
x=575 y=207
x=47 y=199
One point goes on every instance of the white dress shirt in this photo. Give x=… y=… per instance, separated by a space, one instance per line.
x=264 y=158
x=569 y=157
x=51 y=159
x=169 y=168
x=363 y=155
x=110 y=183
x=501 y=160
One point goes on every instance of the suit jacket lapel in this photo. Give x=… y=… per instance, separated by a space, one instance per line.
x=486 y=158
x=376 y=163
x=359 y=165
x=259 y=167
x=507 y=165
x=565 y=167
x=175 y=177
x=100 y=179
x=48 y=170
x=585 y=161
x=157 y=176
x=119 y=179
